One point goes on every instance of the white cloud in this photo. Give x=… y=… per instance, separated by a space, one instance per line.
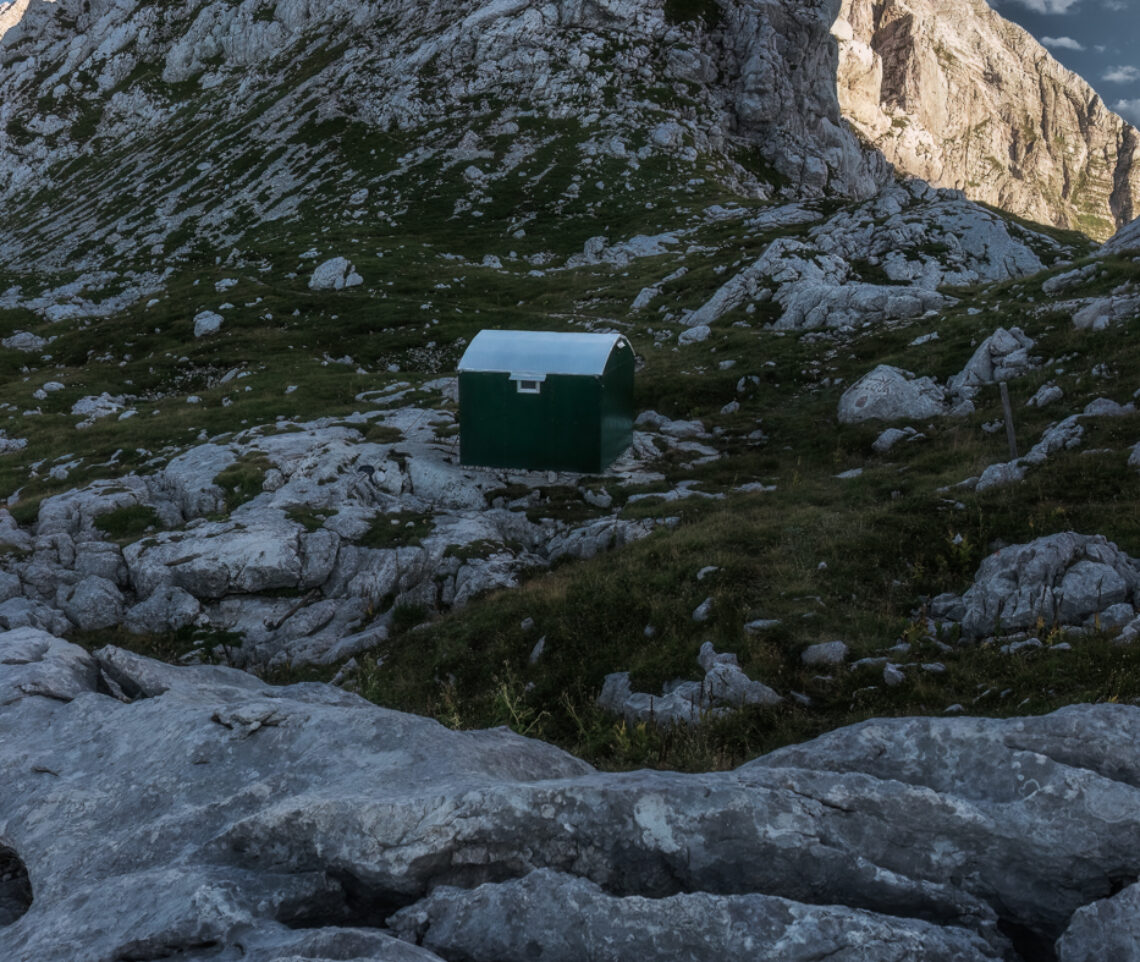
x=1065 y=43
x=1122 y=75
x=1048 y=6
x=1129 y=110
x=1115 y=5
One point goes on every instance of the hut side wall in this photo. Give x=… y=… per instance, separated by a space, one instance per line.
x=617 y=406
x=554 y=430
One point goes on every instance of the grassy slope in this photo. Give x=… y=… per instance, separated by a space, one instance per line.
x=830 y=558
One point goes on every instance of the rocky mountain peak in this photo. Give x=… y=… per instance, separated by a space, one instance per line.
x=951 y=92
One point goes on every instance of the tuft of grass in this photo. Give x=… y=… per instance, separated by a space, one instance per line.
x=129 y=522
x=397 y=530
x=243 y=480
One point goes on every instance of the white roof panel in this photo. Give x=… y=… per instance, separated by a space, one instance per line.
x=538 y=352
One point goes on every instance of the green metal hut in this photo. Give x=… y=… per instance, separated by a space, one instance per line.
x=544 y=401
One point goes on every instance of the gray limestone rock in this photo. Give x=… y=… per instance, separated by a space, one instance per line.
x=9 y=586
x=27 y=612
x=92 y=603
x=1061 y=578
x=560 y=918
x=207 y=322
x=74 y=512
x=1001 y=474
x=1125 y=239
x=101 y=558
x=210 y=559
x=284 y=819
x=1104 y=312
x=168 y=608
x=36 y=663
x=11 y=534
x=890 y=394
x=188 y=480
x=1105 y=929
x=335 y=274
x=825 y=653
x=724 y=686
x=1001 y=356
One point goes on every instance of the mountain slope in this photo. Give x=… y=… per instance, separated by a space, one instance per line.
x=137 y=127
x=951 y=92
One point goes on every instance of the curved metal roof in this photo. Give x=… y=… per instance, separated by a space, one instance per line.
x=539 y=352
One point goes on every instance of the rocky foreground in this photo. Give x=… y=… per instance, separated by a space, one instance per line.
x=154 y=812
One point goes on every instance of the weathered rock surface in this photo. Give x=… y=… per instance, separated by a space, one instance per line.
x=1125 y=239
x=819 y=283
x=1062 y=579
x=953 y=93
x=224 y=574
x=1106 y=929
x=890 y=394
x=182 y=811
x=506 y=921
x=765 y=79
x=1000 y=357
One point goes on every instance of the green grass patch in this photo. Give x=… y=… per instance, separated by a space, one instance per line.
x=129 y=522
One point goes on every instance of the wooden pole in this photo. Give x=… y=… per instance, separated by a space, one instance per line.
x=1008 y=409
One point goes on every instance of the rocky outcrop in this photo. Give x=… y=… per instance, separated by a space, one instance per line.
x=951 y=92
x=80 y=78
x=884 y=259
x=179 y=812
x=319 y=543
x=1064 y=579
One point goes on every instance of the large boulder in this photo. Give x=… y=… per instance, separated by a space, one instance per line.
x=335 y=274
x=1060 y=579
x=891 y=394
x=165 y=811
x=1001 y=356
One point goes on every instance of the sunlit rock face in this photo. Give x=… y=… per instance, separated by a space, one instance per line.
x=952 y=93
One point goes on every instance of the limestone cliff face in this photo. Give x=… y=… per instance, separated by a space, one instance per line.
x=951 y=92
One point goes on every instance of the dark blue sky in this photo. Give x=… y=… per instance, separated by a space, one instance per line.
x=1099 y=39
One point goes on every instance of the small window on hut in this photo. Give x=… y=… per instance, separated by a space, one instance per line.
x=528 y=387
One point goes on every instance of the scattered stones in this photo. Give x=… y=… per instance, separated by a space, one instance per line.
x=724 y=686
x=1046 y=394
x=703 y=611
x=1105 y=312
x=98 y=406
